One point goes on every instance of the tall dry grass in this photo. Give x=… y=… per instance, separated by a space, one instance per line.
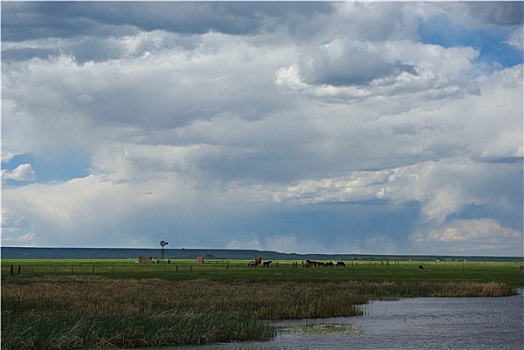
x=75 y=312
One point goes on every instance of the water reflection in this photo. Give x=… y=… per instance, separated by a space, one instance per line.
x=418 y=323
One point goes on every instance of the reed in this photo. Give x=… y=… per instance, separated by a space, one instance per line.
x=73 y=312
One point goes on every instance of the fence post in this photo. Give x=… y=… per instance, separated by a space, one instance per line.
x=19 y=269
x=11 y=271
x=93 y=270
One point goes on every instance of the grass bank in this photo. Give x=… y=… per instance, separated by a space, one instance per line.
x=161 y=306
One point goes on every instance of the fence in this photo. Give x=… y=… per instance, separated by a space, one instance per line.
x=129 y=268
x=93 y=270
x=50 y=267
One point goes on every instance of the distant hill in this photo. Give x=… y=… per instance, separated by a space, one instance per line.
x=134 y=253
x=124 y=253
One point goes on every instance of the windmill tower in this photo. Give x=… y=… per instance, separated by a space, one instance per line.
x=162 y=245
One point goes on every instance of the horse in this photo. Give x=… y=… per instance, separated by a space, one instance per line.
x=255 y=263
x=341 y=264
x=421 y=267
x=266 y=263
x=317 y=263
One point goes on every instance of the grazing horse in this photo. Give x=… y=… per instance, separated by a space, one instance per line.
x=421 y=267
x=341 y=264
x=312 y=263
x=258 y=261
x=266 y=263
x=329 y=264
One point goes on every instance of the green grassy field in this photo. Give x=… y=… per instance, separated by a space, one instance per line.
x=66 y=304
x=284 y=270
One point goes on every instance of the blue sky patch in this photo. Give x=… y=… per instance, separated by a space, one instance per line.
x=490 y=41
x=63 y=167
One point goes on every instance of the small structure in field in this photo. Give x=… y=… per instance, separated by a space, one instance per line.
x=200 y=260
x=145 y=260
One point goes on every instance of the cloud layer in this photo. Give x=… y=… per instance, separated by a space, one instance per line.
x=304 y=127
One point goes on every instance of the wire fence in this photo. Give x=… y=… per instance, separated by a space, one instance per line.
x=168 y=266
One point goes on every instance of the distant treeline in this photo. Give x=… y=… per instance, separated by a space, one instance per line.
x=134 y=253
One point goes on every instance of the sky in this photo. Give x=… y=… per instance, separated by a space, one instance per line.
x=305 y=127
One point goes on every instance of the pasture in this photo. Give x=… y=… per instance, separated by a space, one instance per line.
x=64 y=304
x=279 y=270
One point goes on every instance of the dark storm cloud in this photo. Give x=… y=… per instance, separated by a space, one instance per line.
x=501 y=13
x=28 y=53
x=34 y=20
x=86 y=49
x=348 y=62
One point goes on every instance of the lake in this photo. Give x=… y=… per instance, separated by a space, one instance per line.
x=415 y=323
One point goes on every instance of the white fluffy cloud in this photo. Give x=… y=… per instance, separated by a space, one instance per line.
x=23 y=172
x=517 y=39
x=476 y=237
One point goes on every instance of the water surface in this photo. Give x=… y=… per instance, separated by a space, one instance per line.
x=415 y=323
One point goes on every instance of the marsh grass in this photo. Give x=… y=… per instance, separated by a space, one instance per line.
x=72 y=312
x=126 y=310
x=327 y=328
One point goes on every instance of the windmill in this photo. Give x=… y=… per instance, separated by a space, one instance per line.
x=162 y=244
